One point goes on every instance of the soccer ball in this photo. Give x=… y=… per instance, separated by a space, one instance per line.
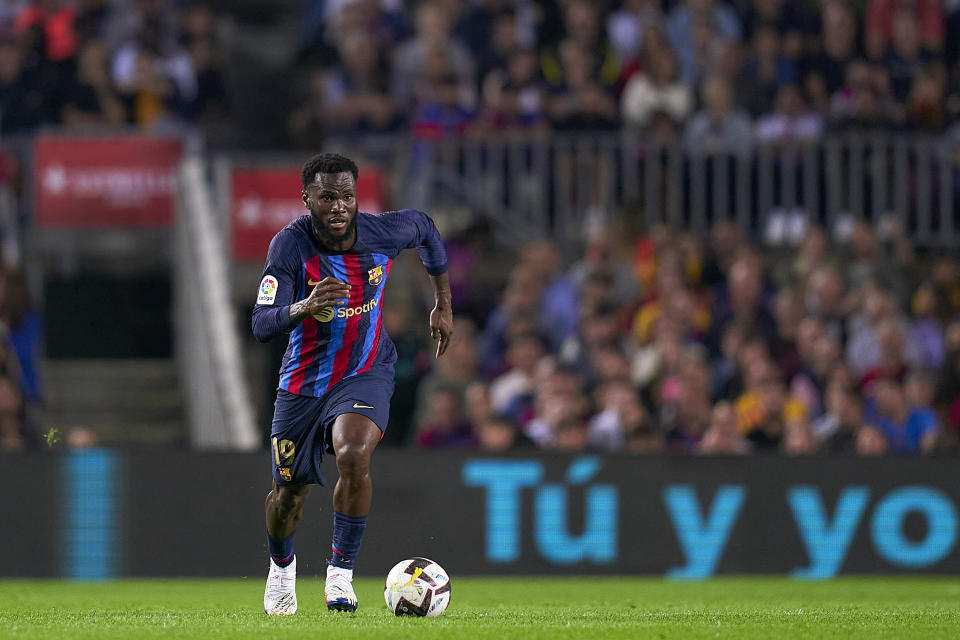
x=417 y=587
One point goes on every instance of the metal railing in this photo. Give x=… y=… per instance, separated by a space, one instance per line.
x=549 y=186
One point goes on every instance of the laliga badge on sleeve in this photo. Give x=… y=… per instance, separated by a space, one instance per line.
x=268 y=290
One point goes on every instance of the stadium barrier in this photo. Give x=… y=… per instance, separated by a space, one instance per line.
x=98 y=514
x=554 y=187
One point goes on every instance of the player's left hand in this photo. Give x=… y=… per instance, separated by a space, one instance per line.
x=441 y=328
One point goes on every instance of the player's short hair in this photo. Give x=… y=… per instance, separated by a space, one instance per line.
x=327 y=163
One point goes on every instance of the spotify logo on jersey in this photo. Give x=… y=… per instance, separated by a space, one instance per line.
x=326 y=315
x=329 y=313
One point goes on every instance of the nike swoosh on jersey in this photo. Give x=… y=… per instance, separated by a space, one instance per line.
x=357 y=405
x=312 y=283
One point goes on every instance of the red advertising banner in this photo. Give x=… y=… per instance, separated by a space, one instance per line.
x=266 y=199
x=105 y=182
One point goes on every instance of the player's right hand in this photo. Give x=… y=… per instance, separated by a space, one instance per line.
x=329 y=292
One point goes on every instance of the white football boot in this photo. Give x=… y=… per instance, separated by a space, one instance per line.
x=280 y=596
x=339 y=590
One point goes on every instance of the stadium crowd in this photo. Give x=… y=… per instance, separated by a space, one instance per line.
x=651 y=341
x=711 y=345
x=705 y=72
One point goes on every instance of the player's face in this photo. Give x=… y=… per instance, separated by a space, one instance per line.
x=332 y=201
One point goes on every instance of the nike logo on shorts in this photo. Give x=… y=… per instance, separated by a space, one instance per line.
x=357 y=405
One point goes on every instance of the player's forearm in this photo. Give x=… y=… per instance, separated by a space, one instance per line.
x=269 y=321
x=441 y=291
x=298 y=312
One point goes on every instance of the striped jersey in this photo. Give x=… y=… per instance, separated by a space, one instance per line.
x=341 y=341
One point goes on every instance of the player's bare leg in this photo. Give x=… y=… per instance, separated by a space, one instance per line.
x=354 y=439
x=284 y=508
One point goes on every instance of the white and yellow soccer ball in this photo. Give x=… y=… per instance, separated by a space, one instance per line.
x=417 y=587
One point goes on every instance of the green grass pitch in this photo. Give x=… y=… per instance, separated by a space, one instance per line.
x=492 y=608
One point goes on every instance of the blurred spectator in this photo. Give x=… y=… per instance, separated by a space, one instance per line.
x=718 y=128
x=685 y=404
x=454 y=373
x=583 y=52
x=441 y=428
x=580 y=102
x=409 y=369
x=504 y=37
x=627 y=26
x=558 y=408
x=156 y=78
x=906 y=429
x=809 y=385
x=209 y=62
x=891 y=363
x=766 y=410
x=620 y=416
x=490 y=28
x=861 y=101
x=443 y=104
x=925 y=103
x=604 y=255
x=743 y=303
x=824 y=70
x=925 y=332
x=824 y=298
x=693 y=20
x=523 y=356
x=790 y=121
x=722 y=437
x=557 y=301
x=514 y=97
x=599 y=328
x=417 y=57
x=657 y=91
x=766 y=73
x=863 y=347
x=905 y=58
x=516 y=314
x=92 y=100
x=497 y=435
x=355 y=94
x=836 y=430
x=881 y=24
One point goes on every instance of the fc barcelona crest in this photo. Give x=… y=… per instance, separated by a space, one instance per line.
x=375 y=275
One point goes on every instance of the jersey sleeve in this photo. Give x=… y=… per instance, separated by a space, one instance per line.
x=278 y=286
x=414 y=229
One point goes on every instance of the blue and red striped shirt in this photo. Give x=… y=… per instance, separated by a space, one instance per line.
x=350 y=339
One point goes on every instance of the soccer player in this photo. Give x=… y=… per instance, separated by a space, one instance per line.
x=323 y=284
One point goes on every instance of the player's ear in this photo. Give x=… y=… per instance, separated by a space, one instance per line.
x=306 y=198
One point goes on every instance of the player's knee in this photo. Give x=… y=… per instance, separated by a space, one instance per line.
x=353 y=460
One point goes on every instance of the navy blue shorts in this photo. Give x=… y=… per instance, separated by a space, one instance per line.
x=302 y=425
